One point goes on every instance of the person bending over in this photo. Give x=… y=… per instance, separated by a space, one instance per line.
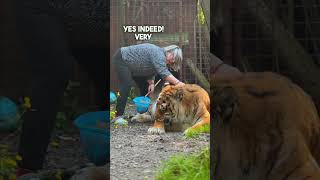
x=141 y=63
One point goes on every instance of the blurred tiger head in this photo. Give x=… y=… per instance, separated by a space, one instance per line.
x=168 y=95
x=259 y=120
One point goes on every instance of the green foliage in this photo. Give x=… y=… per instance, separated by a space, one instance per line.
x=61 y=120
x=9 y=160
x=70 y=108
x=192 y=133
x=132 y=94
x=112 y=114
x=186 y=167
x=201 y=16
x=8 y=163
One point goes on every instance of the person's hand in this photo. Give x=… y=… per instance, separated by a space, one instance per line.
x=151 y=88
x=180 y=84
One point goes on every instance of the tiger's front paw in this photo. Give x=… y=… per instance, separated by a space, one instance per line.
x=154 y=130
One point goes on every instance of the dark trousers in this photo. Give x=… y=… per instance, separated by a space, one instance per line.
x=125 y=82
x=47 y=51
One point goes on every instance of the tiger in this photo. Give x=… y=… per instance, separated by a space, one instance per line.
x=264 y=127
x=178 y=108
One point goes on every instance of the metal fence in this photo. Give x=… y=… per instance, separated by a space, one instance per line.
x=248 y=46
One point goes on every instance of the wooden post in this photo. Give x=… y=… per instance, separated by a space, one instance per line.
x=227 y=32
x=180 y=33
x=205 y=6
x=236 y=49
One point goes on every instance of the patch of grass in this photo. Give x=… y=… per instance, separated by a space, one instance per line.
x=192 y=133
x=112 y=114
x=8 y=163
x=186 y=167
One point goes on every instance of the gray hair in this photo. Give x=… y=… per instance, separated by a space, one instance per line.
x=177 y=56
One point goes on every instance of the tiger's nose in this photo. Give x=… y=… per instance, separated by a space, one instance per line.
x=163 y=107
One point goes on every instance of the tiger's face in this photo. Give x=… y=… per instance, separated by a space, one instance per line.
x=170 y=93
x=165 y=104
x=179 y=107
x=262 y=128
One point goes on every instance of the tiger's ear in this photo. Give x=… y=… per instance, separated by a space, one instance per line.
x=224 y=100
x=179 y=94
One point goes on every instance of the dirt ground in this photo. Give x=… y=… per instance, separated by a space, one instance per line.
x=68 y=154
x=65 y=153
x=137 y=155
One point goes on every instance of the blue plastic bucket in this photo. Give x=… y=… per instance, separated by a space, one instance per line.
x=95 y=140
x=9 y=114
x=142 y=103
x=113 y=97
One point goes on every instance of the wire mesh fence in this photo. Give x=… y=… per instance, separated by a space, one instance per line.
x=256 y=46
x=180 y=19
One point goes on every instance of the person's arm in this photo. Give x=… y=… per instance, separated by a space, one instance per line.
x=172 y=80
x=151 y=81
x=151 y=84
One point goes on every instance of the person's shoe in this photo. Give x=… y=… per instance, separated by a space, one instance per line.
x=120 y=120
x=117 y=117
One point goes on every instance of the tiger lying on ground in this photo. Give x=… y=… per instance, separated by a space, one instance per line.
x=177 y=109
x=267 y=128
